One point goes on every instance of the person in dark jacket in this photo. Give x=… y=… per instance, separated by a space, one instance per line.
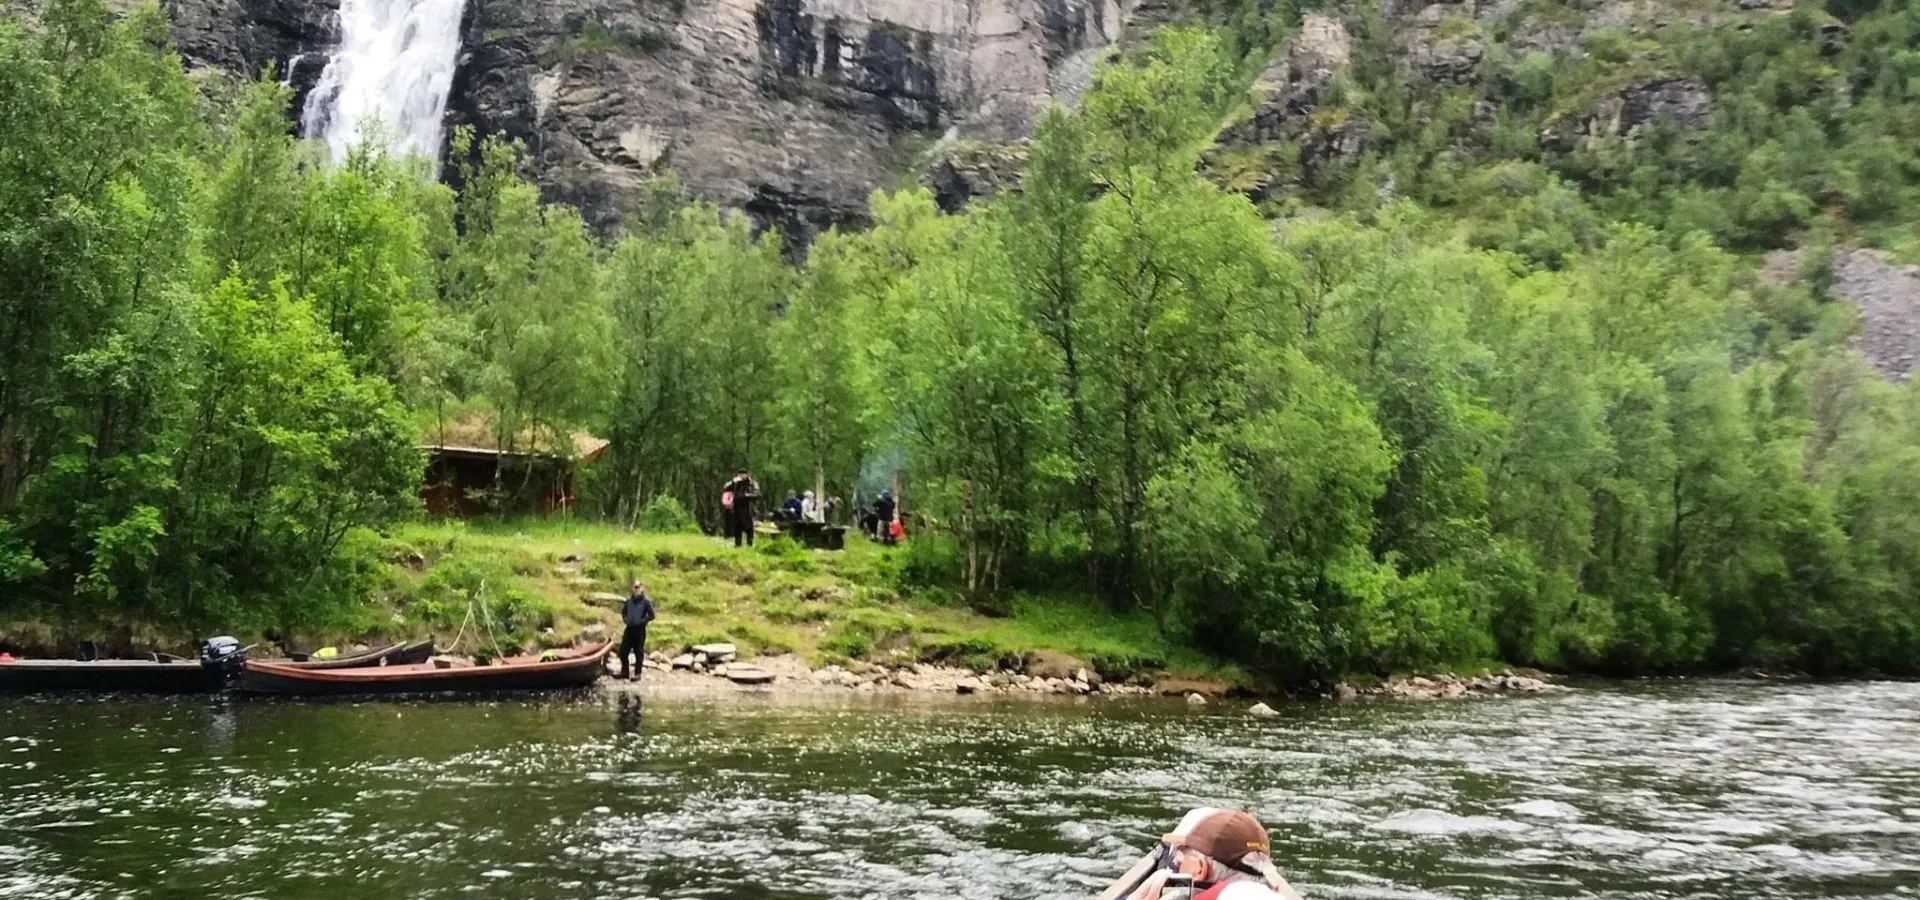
x=740 y=494
x=885 y=509
x=635 y=613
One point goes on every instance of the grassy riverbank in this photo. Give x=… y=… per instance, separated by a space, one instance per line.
x=553 y=582
x=774 y=598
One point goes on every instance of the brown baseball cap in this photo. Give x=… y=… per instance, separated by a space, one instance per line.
x=1227 y=835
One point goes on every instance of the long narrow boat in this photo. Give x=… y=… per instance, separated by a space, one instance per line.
x=390 y=655
x=160 y=675
x=1131 y=880
x=577 y=667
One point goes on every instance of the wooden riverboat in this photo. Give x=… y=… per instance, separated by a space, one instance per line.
x=160 y=674
x=576 y=667
x=1133 y=878
x=390 y=655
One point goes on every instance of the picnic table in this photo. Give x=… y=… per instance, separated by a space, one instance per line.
x=818 y=535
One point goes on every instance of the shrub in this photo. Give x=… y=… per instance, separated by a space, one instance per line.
x=847 y=644
x=927 y=560
x=977 y=652
x=665 y=515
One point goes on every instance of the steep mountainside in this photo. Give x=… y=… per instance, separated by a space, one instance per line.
x=1539 y=120
x=794 y=110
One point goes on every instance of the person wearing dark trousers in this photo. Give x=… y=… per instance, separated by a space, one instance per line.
x=738 y=498
x=885 y=509
x=635 y=613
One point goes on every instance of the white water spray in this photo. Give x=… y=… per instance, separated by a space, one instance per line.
x=393 y=70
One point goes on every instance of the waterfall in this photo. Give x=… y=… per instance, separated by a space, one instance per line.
x=393 y=68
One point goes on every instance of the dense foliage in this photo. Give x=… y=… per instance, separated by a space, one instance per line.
x=1813 y=117
x=1558 y=425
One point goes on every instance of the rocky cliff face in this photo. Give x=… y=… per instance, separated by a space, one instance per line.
x=245 y=37
x=794 y=110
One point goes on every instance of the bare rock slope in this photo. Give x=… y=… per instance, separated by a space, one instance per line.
x=794 y=110
x=1888 y=297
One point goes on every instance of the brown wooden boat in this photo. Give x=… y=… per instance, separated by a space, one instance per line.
x=1131 y=881
x=576 y=667
x=391 y=655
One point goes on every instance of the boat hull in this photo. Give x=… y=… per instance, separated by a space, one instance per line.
x=579 y=668
x=131 y=675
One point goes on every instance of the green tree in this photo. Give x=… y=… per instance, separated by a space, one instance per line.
x=285 y=458
x=97 y=206
x=968 y=388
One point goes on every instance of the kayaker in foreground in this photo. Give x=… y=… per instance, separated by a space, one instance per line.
x=1225 y=853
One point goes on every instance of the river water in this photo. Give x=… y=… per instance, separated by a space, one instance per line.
x=1698 y=790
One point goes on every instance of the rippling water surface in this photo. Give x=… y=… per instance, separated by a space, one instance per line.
x=1691 y=791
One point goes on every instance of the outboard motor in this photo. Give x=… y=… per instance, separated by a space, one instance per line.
x=223 y=655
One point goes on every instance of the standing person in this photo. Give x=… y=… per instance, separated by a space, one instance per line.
x=743 y=492
x=885 y=509
x=635 y=614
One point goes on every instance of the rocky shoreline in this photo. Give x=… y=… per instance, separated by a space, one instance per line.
x=717 y=670
x=1451 y=687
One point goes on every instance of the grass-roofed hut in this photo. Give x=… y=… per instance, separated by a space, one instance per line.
x=470 y=474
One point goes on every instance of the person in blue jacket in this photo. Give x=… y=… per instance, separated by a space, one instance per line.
x=635 y=613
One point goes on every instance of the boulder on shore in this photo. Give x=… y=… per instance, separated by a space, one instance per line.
x=740 y=673
x=715 y=652
x=1262 y=710
x=1053 y=664
x=1195 y=699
